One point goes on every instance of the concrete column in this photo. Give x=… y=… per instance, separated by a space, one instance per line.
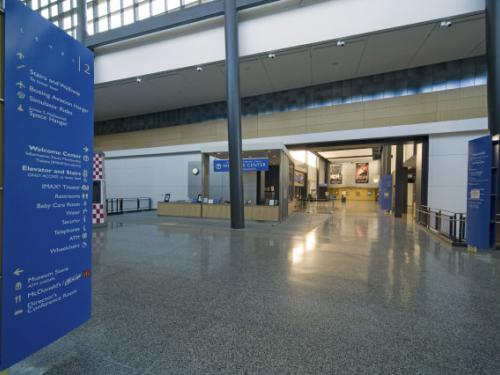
x=81 y=28
x=399 y=201
x=386 y=159
x=493 y=56
x=234 y=115
x=205 y=177
x=425 y=173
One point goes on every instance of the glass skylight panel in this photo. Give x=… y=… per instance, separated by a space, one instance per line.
x=102 y=15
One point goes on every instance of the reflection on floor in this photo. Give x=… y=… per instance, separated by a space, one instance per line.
x=335 y=291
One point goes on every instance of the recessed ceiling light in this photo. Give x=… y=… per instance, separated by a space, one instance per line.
x=271 y=55
x=445 y=23
x=341 y=43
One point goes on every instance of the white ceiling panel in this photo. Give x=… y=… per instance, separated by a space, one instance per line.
x=131 y=98
x=254 y=78
x=332 y=63
x=289 y=70
x=480 y=49
x=457 y=41
x=203 y=87
x=391 y=51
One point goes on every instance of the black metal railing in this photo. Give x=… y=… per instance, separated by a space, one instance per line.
x=450 y=225
x=117 y=206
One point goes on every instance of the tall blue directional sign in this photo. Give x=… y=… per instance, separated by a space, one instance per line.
x=385 y=192
x=249 y=165
x=48 y=137
x=480 y=217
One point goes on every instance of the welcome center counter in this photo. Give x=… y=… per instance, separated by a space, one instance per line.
x=217 y=211
x=267 y=170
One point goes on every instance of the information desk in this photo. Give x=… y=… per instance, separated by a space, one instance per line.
x=217 y=211
x=179 y=209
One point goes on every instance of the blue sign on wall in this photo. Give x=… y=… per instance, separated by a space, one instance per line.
x=385 y=192
x=249 y=165
x=48 y=138
x=480 y=229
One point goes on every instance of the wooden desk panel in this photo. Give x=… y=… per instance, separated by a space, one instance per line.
x=217 y=211
x=262 y=213
x=179 y=209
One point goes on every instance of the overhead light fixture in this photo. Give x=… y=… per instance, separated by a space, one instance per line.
x=271 y=55
x=445 y=23
x=138 y=79
x=341 y=43
x=199 y=69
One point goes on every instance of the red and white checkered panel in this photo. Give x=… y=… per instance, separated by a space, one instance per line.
x=98 y=169
x=98 y=214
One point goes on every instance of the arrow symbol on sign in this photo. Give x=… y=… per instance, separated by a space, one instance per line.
x=18 y=272
x=86 y=149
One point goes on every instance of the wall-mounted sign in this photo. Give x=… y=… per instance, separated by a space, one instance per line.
x=480 y=218
x=48 y=138
x=362 y=173
x=249 y=165
x=335 y=174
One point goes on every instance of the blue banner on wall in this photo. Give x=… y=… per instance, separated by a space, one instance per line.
x=249 y=165
x=480 y=228
x=385 y=192
x=48 y=138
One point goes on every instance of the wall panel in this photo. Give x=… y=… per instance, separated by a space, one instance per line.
x=463 y=103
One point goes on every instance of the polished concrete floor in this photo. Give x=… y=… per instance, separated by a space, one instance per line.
x=346 y=290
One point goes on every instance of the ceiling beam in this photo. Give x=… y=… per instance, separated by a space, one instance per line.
x=167 y=21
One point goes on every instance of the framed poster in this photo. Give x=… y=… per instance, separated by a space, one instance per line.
x=361 y=175
x=299 y=178
x=336 y=174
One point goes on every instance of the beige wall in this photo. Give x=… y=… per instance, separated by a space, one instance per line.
x=355 y=193
x=454 y=104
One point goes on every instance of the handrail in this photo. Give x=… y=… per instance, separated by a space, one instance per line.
x=118 y=206
x=447 y=224
x=442 y=210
